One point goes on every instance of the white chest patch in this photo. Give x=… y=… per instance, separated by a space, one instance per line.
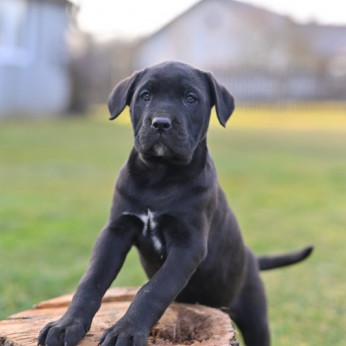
x=150 y=228
x=149 y=222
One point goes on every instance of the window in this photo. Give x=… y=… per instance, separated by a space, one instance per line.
x=13 y=18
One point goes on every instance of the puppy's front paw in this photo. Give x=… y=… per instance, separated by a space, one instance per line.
x=124 y=333
x=63 y=332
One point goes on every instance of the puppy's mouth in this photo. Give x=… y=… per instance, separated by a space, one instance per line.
x=173 y=146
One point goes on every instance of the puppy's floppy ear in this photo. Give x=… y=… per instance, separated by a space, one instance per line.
x=222 y=99
x=121 y=95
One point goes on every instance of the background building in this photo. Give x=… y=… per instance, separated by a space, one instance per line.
x=34 y=57
x=258 y=54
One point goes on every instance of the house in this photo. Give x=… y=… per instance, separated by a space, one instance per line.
x=34 y=75
x=259 y=55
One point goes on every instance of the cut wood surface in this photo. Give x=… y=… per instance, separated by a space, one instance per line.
x=182 y=324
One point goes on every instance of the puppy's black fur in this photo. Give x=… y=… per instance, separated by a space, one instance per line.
x=168 y=203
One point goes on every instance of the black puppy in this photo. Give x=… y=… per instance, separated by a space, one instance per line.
x=168 y=203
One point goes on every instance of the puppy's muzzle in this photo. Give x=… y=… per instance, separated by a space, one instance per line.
x=161 y=124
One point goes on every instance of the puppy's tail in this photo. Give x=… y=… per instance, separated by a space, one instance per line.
x=272 y=262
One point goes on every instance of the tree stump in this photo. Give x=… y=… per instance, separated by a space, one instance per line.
x=182 y=324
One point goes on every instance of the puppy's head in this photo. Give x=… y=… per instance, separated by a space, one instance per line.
x=170 y=106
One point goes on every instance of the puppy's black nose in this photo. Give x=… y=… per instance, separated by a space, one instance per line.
x=161 y=124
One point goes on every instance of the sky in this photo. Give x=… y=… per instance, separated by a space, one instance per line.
x=135 y=18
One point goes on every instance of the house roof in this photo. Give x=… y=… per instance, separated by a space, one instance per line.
x=229 y=3
x=323 y=39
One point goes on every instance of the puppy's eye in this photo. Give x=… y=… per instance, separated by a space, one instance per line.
x=190 y=98
x=146 y=96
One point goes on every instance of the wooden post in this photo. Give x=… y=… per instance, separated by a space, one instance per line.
x=182 y=324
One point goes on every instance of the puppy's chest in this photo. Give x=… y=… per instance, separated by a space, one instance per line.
x=150 y=235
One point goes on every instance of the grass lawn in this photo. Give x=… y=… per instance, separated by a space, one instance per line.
x=284 y=173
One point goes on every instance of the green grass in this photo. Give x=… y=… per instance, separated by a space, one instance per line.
x=287 y=185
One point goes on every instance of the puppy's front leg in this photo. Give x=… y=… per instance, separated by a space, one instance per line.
x=154 y=297
x=107 y=258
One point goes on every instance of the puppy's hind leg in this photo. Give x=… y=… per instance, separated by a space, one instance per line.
x=249 y=310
